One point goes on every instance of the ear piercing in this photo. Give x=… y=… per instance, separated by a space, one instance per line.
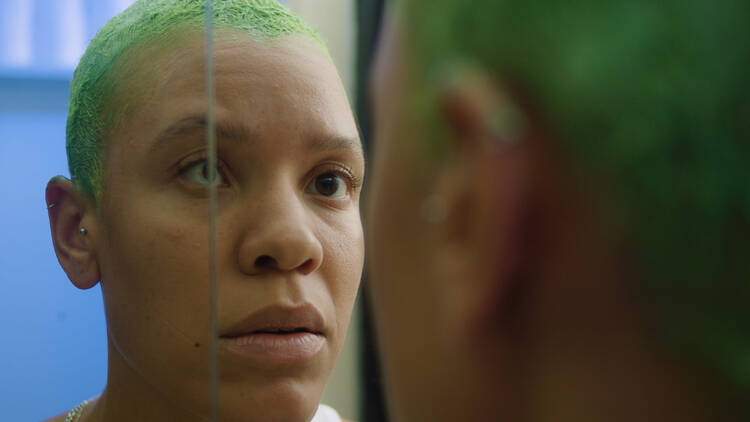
x=81 y=230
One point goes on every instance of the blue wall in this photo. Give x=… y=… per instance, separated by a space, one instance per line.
x=53 y=349
x=53 y=352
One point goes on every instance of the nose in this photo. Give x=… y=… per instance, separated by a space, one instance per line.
x=280 y=238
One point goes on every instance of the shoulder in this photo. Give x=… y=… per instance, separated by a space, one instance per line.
x=58 y=418
x=87 y=404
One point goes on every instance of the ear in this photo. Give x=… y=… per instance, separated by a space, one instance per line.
x=484 y=183
x=69 y=213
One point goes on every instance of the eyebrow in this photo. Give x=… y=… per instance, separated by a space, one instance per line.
x=197 y=123
x=337 y=143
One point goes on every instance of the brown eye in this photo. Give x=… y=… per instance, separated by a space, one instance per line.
x=330 y=185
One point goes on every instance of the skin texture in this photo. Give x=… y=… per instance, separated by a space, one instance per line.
x=91 y=117
x=499 y=287
x=284 y=121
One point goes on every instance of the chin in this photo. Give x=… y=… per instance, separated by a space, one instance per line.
x=285 y=401
x=269 y=413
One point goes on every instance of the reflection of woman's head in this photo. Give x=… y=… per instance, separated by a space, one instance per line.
x=630 y=153
x=288 y=234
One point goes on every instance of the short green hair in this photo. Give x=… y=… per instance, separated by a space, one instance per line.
x=650 y=98
x=95 y=80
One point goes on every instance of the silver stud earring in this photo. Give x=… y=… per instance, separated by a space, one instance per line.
x=83 y=231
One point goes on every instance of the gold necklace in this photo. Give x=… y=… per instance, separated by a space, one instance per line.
x=76 y=412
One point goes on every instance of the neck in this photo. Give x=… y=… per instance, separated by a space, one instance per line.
x=612 y=380
x=584 y=353
x=590 y=357
x=130 y=397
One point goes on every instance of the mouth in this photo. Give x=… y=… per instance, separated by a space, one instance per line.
x=279 y=331
x=277 y=335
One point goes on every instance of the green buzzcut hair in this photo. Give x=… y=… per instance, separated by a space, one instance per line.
x=649 y=99
x=94 y=83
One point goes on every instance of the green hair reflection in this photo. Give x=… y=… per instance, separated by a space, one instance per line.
x=95 y=82
x=650 y=98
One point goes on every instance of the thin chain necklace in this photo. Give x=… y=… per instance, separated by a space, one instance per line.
x=76 y=412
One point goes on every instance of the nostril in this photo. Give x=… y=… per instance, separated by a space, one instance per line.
x=307 y=267
x=265 y=261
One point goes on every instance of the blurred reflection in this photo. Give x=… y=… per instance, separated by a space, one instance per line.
x=560 y=209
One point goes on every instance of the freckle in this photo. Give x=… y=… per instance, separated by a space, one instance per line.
x=197 y=345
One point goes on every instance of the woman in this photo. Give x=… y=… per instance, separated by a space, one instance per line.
x=560 y=212
x=134 y=217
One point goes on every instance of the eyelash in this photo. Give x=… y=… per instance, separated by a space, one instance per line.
x=340 y=170
x=354 y=182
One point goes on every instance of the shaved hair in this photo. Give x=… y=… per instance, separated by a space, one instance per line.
x=93 y=112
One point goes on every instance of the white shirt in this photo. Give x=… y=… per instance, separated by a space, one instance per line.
x=326 y=414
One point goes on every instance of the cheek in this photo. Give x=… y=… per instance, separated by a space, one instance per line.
x=349 y=252
x=154 y=283
x=152 y=240
x=155 y=269
x=343 y=267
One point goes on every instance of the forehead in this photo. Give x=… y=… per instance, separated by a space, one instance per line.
x=177 y=61
x=239 y=54
x=257 y=82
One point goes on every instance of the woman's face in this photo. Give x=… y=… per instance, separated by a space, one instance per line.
x=288 y=232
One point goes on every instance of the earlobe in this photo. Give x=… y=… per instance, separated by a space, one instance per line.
x=73 y=229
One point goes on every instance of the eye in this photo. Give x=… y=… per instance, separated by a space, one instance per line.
x=198 y=172
x=331 y=185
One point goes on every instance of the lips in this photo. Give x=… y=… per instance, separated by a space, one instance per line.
x=277 y=335
x=279 y=320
